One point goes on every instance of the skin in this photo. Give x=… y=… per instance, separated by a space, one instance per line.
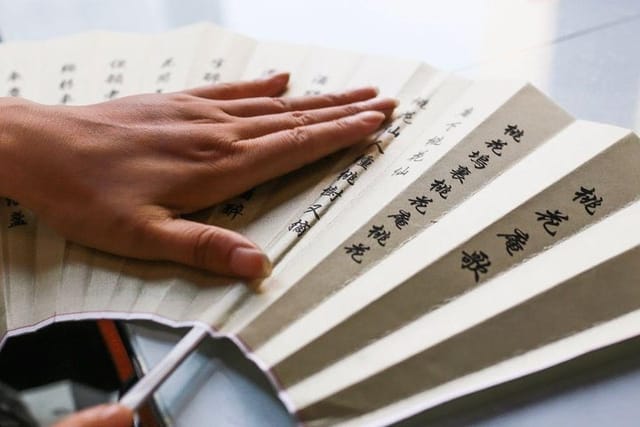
x=118 y=176
x=99 y=416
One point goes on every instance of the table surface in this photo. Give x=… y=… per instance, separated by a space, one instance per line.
x=582 y=53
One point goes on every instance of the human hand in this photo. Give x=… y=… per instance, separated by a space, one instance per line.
x=99 y=416
x=118 y=175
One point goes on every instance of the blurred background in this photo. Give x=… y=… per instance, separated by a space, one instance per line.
x=582 y=53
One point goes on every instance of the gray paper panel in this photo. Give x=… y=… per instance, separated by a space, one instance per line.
x=528 y=111
x=602 y=293
x=445 y=279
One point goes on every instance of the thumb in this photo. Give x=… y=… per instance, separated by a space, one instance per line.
x=208 y=247
x=100 y=416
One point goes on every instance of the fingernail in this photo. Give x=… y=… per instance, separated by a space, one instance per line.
x=378 y=103
x=372 y=117
x=279 y=77
x=249 y=262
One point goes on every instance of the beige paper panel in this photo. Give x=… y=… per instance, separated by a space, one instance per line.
x=522 y=233
x=176 y=302
x=601 y=241
x=421 y=134
x=107 y=69
x=323 y=70
x=119 y=69
x=221 y=56
x=574 y=145
x=69 y=65
x=118 y=66
x=169 y=58
x=173 y=53
x=22 y=80
x=519 y=126
x=296 y=192
x=605 y=292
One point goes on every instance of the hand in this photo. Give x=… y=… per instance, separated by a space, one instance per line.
x=99 y=416
x=118 y=175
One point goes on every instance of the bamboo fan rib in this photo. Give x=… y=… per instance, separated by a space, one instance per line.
x=482 y=235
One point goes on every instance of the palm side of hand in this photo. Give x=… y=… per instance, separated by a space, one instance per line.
x=117 y=176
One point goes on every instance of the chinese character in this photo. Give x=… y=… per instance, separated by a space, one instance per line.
x=17 y=218
x=452 y=125
x=14 y=91
x=479 y=161
x=440 y=187
x=421 y=102
x=401 y=218
x=117 y=63
x=434 y=141
x=401 y=171
x=496 y=145
x=515 y=242
x=314 y=208
x=378 y=145
x=551 y=219
x=115 y=78
x=167 y=63
x=514 y=132
x=364 y=161
x=233 y=209
x=421 y=202
x=476 y=262
x=417 y=157
x=299 y=227
x=332 y=192
x=466 y=112
x=461 y=173
x=588 y=199
x=211 y=77
x=320 y=79
x=13 y=76
x=66 y=98
x=395 y=131
x=356 y=251
x=378 y=233
x=66 y=84
x=164 y=77
x=112 y=94
x=408 y=117
x=68 y=68
x=217 y=62
x=348 y=176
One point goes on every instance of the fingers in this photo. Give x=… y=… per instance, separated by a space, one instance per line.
x=100 y=416
x=207 y=247
x=281 y=152
x=254 y=127
x=261 y=106
x=270 y=86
